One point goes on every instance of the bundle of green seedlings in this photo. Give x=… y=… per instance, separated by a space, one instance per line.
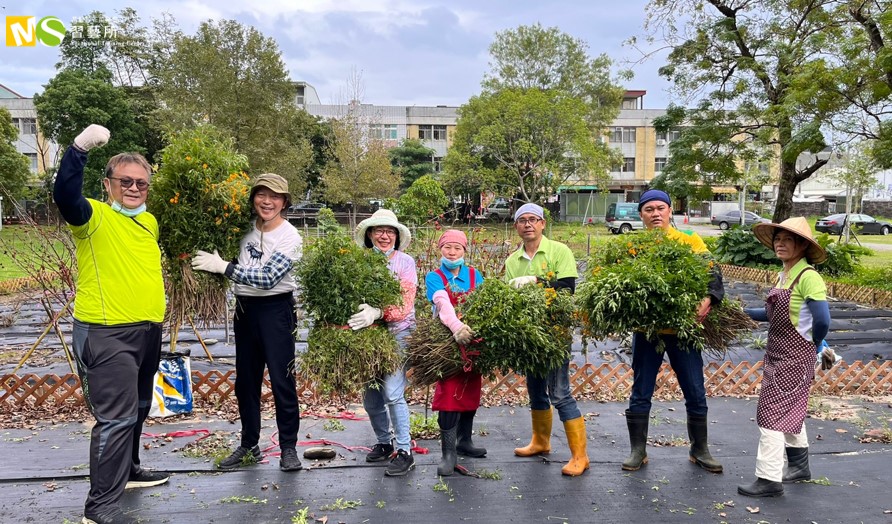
x=432 y=352
x=337 y=276
x=650 y=284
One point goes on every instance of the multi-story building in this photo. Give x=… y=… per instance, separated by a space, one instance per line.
x=41 y=152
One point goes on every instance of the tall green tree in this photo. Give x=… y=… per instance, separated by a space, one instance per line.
x=411 y=161
x=423 y=201
x=74 y=99
x=537 y=122
x=233 y=77
x=753 y=64
x=14 y=166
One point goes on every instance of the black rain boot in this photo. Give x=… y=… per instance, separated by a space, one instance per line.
x=699 y=453
x=447 y=439
x=637 y=423
x=797 y=465
x=465 y=445
x=762 y=488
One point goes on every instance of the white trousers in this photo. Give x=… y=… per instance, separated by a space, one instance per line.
x=771 y=456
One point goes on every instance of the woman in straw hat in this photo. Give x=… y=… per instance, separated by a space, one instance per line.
x=383 y=233
x=264 y=320
x=799 y=319
x=457 y=397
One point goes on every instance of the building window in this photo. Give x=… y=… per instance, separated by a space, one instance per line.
x=389 y=131
x=629 y=135
x=425 y=132
x=376 y=132
x=630 y=103
x=628 y=164
x=26 y=126
x=616 y=135
x=673 y=135
x=32 y=161
x=439 y=132
x=659 y=164
x=438 y=164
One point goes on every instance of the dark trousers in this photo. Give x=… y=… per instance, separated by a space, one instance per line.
x=686 y=363
x=117 y=366
x=264 y=336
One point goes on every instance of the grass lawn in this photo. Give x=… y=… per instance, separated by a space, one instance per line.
x=23 y=246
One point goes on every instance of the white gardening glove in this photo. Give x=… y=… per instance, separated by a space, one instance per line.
x=93 y=136
x=521 y=281
x=210 y=262
x=464 y=335
x=366 y=317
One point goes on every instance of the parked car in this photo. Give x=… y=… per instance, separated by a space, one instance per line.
x=304 y=213
x=732 y=218
x=859 y=223
x=623 y=217
x=498 y=211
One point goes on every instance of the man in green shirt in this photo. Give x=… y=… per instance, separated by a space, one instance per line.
x=553 y=263
x=118 y=312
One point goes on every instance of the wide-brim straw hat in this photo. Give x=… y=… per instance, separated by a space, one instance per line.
x=383 y=217
x=815 y=254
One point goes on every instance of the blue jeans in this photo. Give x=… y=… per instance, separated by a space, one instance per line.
x=554 y=390
x=390 y=396
x=686 y=363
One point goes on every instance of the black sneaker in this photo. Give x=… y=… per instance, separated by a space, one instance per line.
x=110 y=516
x=144 y=478
x=240 y=457
x=401 y=464
x=288 y=460
x=379 y=453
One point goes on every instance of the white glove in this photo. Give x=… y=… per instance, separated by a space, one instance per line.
x=93 y=136
x=366 y=317
x=521 y=281
x=464 y=335
x=210 y=262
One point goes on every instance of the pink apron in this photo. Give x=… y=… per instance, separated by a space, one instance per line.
x=789 y=367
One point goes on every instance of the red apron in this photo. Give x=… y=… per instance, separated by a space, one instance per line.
x=459 y=392
x=789 y=367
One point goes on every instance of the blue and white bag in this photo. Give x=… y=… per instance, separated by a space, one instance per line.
x=172 y=387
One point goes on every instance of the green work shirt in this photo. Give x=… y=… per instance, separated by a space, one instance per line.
x=119 y=268
x=551 y=257
x=810 y=287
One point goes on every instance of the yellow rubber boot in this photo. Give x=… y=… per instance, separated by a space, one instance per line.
x=541 y=441
x=577 y=440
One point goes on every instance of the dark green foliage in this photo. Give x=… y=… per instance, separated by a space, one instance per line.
x=516 y=328
x=842 y=259
x=337 y=276
x=740 y=247
x=411 y=161
x=644 y=283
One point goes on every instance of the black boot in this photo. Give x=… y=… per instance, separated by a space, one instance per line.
x=637 y=423
x=699 y=453
x=797 y=465
x=447 y=439
x=465 y=445
x=762 y=488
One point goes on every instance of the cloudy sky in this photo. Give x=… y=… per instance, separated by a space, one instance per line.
x=409 y=52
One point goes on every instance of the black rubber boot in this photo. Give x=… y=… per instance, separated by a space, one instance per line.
x=465 y=446
x=447 y=464
x=699 y=453
x=797 y=465
x=762 y=488
x=637 y=423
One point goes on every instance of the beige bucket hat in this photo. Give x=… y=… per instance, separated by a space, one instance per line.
x=382 y=217
x=815 y=254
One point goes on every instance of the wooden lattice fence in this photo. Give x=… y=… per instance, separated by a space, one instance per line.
x=871 y=378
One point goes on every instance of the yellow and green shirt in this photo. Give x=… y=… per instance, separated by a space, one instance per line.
x=551 y=257
x=119 y=268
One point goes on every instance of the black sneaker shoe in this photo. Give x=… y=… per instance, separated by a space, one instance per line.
x=379 y=453
x=288 y=460
x=240 y=457
x=146 y=479
x=401 y=464
x=110 y=516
